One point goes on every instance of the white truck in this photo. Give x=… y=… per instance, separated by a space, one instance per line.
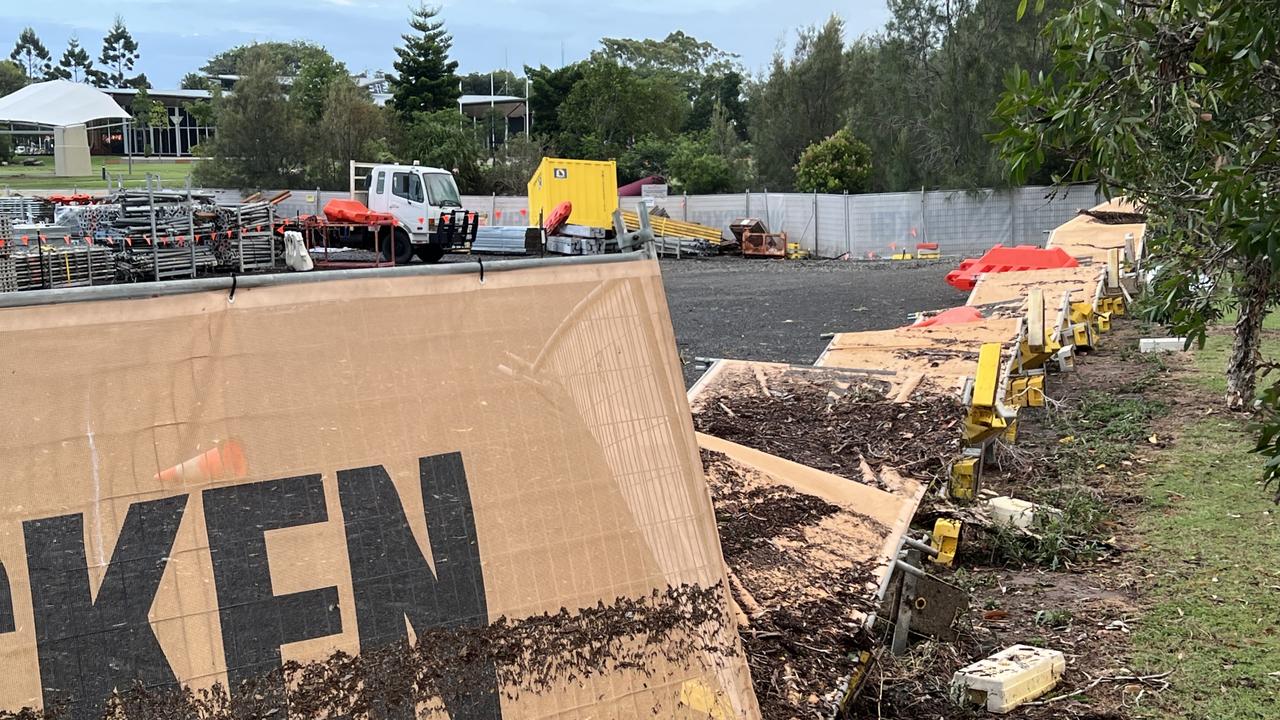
x=430 y=219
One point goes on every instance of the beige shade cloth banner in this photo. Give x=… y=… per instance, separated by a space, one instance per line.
x=469 y=496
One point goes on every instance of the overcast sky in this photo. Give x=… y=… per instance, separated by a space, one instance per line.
x=177 y=36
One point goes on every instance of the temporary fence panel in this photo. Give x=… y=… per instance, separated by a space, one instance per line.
x=1041 y=209
x=961 y=222
x=718 y=211
x=969 y=221
x=273 y=489
x=883 y=223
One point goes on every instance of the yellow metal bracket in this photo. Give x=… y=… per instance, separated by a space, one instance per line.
x=946 y=540
x=1011 y=434
x=1026 y=391
x=964 y=478
x=1082 y=324
x=984 y=419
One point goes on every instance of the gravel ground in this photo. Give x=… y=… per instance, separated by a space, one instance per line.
x=778 y=310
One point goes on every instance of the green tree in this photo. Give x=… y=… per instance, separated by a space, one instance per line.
x=348 y=129
x=426 y=79
x=31 y=55
x=75 y=64
x=648 y=155
x=514 y=163
x=683 y=56
x=441 y=139
x=921 y=91
x=707 y=74
x=288 y=56
x=311 y=86
x=548 y=90
x=259 y=141
x=714 y=160
x=694 y=168
x=149 y=114
x=840 y=163
x=119 y=54
x=719 y=91
x=503 y=82
x=803 y=100
x=12 y=77
x=195 y=81
x=599 y=118
x=1172 y=105
x=201 y=112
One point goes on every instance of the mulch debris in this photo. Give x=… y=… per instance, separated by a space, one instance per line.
x=677 y=627
x=808 y=425
x=805 y=601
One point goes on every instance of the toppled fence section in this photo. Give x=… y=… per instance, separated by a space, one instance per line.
x=295 y=493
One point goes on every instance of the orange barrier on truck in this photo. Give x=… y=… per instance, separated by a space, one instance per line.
x=354 y=211
x=1005 y=259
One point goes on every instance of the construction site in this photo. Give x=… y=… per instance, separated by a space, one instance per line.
x=609 y=464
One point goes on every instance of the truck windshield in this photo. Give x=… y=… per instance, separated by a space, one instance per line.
x=441 y=190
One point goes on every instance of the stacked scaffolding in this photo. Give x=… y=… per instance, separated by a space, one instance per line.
x=252 y=245
x=35 y=267
x=25 y=210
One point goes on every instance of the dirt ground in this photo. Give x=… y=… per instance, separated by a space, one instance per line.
x=1085 y=609
x=778 y=310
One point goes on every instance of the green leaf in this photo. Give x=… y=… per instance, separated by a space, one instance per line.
x=1022 y=9
x=1197 y=68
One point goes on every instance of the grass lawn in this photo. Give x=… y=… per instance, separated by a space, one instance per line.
x=19 y=177
x=1212 y=543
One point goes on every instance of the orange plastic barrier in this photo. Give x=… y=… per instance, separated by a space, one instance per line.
x=354 y=211
x=952 y=316
x=1007 y=259
x=77 y=199
x=558 y=217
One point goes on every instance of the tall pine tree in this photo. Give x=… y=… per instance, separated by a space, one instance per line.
x=75 y=64
x=32 y=56
x=119 y=53
x=426 y=78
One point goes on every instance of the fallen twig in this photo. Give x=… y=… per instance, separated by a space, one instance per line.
x=1158 y=678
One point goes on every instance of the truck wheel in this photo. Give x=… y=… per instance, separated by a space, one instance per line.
x=399 y=247
x=429 y=253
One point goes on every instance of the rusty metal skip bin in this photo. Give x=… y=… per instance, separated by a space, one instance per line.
x=756 y=240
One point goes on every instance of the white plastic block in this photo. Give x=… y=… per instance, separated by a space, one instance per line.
x=1011 y=677
x=1020 y=513
x=1169 y=344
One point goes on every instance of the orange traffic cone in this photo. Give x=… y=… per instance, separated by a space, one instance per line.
x=224 y=462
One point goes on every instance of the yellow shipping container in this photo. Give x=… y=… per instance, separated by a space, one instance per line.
x=591 y=185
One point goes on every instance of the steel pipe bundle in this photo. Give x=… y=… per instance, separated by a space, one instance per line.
x=32 y=267
x=143 y=262
x=23 y=209
x=252 y=245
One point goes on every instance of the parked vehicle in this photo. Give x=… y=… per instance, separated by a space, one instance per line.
x=424 y=201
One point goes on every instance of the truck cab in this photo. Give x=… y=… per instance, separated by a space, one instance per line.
x=424 y=201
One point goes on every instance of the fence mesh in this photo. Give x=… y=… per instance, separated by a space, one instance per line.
x=961 y=222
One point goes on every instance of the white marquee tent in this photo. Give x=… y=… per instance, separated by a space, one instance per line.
x=59 y=103
x=67 y=108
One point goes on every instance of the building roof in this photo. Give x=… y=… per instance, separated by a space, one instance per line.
x=59 y=103
x=178 y=93
x=478 y=105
